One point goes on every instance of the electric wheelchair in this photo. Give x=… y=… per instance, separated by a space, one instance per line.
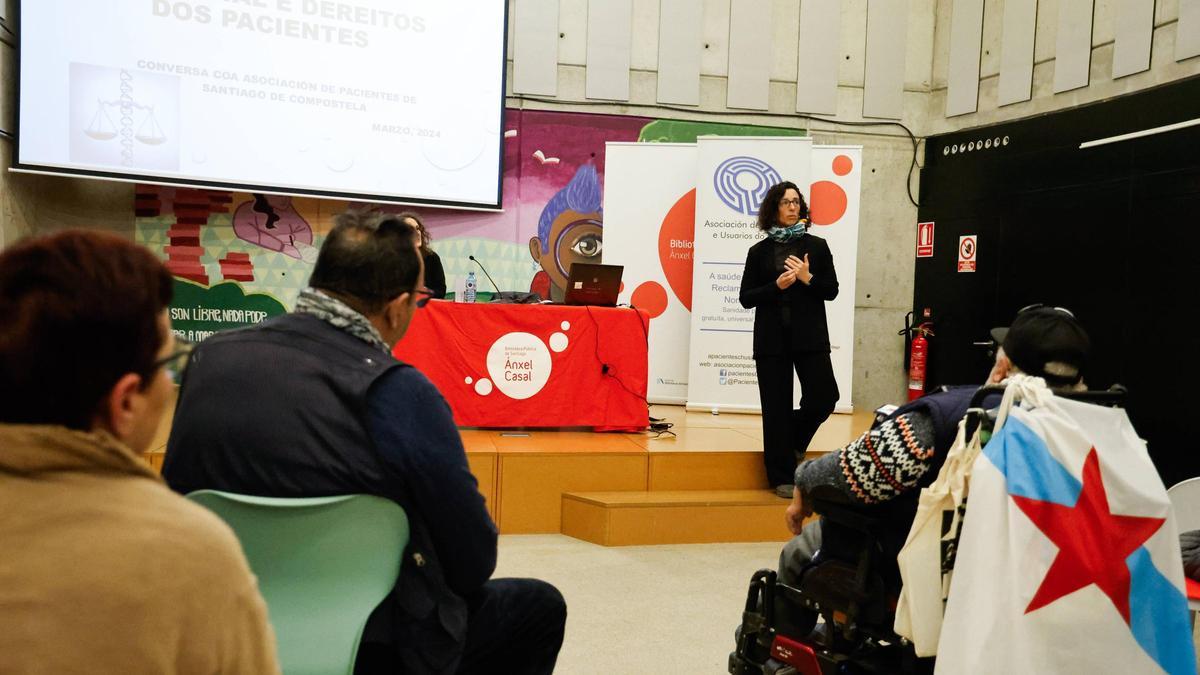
x=852 y=585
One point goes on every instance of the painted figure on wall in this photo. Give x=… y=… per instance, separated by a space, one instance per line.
x=272 y=222
x=570 y=230
x=553 y=173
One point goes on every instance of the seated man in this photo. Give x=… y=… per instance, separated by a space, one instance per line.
x=904 y=452
x=312 y=403
x=103 y=569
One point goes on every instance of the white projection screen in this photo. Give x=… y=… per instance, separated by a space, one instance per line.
x=372 y=100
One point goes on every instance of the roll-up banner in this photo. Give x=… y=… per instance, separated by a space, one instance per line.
x=649 y=214
x=733 y=175
x=649 y=220
x=835 y=203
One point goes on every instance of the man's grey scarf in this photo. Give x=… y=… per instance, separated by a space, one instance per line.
x=339 y=315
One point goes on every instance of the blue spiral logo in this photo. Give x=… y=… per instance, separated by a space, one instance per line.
x=742 y=182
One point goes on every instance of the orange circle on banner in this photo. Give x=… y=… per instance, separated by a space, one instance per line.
x=828 y=203
x=650 y=296
x=842 y=165
x=675 y=239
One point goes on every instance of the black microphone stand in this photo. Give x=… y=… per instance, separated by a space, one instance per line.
x=485 y=272
x=505 y=296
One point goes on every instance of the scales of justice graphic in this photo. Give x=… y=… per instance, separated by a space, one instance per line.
x=102 y=128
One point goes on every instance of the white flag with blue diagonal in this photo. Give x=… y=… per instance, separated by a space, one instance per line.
x=1069 y=560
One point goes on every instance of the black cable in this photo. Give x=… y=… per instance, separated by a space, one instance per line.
x=605 y=369
x=6 y=29
x=4 y=26
x=658 y=426
x=658 y=433
x=644 y=325
x=750 y=113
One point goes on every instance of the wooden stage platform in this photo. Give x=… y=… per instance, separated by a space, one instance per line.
x=703 y=484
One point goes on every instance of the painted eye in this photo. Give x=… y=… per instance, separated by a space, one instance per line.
x=589 y=245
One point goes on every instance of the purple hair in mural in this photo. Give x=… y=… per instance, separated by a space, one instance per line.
x=569 y=230
x=581 y=195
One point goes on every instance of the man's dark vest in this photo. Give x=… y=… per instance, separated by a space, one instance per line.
x=945 y=409
x=279 y=410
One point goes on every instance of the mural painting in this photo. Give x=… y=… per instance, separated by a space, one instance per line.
x=238 y=258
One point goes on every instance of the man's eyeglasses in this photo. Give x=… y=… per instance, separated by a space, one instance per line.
x=789 y=202
x=424 y=295
x=176 y=361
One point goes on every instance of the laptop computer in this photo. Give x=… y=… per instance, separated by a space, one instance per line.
x=591 y=284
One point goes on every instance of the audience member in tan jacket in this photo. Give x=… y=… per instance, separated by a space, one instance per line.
x=102 y=568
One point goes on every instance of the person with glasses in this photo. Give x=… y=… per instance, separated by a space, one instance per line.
x=312 y=403
x=904 y=450
x=788 y=278
x=101 y=563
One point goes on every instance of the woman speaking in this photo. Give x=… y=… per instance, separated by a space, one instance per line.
x=788 y=279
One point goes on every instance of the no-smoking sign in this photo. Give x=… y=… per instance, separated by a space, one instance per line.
x=968 y=249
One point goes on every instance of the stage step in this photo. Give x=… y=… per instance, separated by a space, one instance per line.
x=674 y=517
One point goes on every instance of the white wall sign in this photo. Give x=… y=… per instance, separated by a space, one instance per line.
x=968 y=250
x=925 y=240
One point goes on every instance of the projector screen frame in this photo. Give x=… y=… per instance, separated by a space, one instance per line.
x=18 y=166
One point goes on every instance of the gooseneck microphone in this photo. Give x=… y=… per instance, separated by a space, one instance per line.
x=485 y=272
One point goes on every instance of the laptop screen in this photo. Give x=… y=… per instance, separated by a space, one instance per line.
x=591 y=284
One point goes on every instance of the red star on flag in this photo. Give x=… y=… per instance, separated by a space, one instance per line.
x=1092 y=542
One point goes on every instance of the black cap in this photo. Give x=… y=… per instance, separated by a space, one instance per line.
x=1047 y=342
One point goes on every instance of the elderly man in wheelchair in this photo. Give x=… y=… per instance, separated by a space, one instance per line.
x=842 y=568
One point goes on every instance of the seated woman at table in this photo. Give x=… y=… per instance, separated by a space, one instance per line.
x=435 y=276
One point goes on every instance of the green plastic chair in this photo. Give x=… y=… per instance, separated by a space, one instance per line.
x=323 y=564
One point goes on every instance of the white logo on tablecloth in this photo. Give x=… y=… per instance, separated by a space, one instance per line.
x=519 y=364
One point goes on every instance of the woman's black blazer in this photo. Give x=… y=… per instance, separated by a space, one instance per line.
x=792 y=319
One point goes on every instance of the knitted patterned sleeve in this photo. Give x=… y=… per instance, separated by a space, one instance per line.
x=883 y=463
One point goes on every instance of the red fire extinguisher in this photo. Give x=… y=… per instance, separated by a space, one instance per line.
x=918 y=357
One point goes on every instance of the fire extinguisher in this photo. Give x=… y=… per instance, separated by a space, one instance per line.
x=918 y=358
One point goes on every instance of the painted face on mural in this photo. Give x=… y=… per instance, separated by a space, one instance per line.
x=569 y=231
x=574 y=237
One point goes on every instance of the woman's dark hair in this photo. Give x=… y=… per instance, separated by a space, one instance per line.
x=368 y=259
x=768 y=213
x=80 y=311
x=423 y=246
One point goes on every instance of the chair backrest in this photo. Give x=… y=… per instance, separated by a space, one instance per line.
x=1185 y=502
x=323 y=564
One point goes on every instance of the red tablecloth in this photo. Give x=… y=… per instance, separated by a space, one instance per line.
x=503 y=365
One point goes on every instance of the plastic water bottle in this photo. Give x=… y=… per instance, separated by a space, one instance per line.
x=470 y=292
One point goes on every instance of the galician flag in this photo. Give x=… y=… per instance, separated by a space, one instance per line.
x=1069 y=560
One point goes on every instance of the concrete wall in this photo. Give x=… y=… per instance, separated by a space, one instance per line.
x=1163 y=67
x=885 y=269
x=33 y=203
x=30 y=204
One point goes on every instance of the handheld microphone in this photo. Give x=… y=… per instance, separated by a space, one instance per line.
x=485 y=272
